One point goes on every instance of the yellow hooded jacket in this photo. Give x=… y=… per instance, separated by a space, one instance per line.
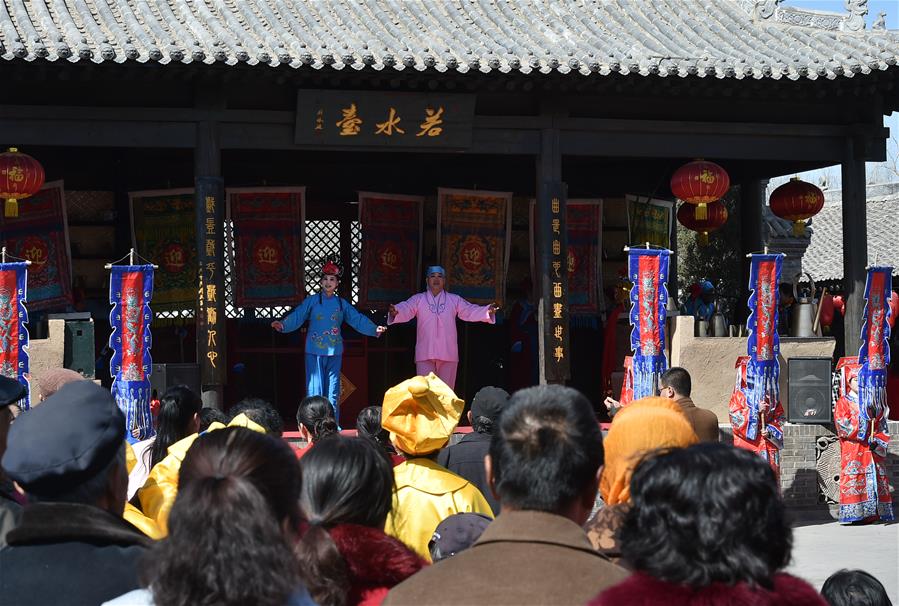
x=159 y=491
x=425 y=495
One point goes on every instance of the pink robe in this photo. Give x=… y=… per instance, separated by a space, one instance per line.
x=436 y=337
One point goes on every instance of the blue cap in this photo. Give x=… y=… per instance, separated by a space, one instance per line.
x=706 y=286
x=435 y=269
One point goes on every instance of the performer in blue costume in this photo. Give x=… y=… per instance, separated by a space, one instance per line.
x=326 y=313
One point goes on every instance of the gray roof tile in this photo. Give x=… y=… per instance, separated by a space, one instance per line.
x=707 y=38
x=824 y=256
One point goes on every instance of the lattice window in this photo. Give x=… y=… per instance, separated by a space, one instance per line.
x=322 y=239
x=356 y=254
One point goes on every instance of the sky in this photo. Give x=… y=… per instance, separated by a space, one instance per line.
x=876 y=174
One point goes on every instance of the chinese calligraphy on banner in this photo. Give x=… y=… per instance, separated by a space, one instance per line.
x=210 y=214
x=164 y=232
x=649 y=220
x=268 y=234
x=553 y=267
x=14 y=362
x=473 y=230
x=391 y=248
x=40 y=235
x=366 y=118
x=130 y=292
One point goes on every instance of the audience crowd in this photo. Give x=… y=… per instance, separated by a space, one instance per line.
x=533 y=506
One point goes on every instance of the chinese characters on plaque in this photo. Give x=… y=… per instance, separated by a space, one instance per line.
x=210 y=302
x=366 y=118
x=554 y=263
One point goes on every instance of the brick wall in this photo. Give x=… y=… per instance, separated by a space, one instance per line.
x=799 y=473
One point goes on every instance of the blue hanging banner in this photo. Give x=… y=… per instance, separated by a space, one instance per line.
x=13 y=330
x=874 y=353
x=648 y=272
x=763 y=345
x=130 y=292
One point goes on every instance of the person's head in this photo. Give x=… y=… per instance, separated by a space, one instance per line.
x=330 y=277
x=50 y=381
x=368 y=425
x=854 y=588
x=704 y=514
x=71 y=449
x=546 y=453
x=260 y=412
x=315 y=418
x=853 y=379
x=238 y=494
x=642 y=426
x=209 y=415
x=456 y=533
x=436 y=278
x=420 y=414
x=345 y=481
x=179 y=410
x=786 y=294
x=11 y=391
x=486 y=407
x=707 y=292
x=675 y=382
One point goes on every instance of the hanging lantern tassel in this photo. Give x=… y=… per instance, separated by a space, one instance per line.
x=703 y=238
x=11 y=208
x=799 y=228
x=702 y=212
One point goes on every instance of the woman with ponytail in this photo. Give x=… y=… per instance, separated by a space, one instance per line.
x=345 y=559
x=179 y=417
x=231 y=529
x=315 y=421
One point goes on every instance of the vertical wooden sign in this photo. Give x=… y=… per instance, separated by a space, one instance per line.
x=553 y=267
x=210 y=209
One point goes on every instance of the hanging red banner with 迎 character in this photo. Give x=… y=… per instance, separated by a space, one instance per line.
x=391 y=248
x=268 y=245
x=40 y=235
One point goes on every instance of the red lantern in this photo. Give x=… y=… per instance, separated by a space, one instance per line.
x=700 y=182
x=796 y=201
x=21 y=176
x=716 y=216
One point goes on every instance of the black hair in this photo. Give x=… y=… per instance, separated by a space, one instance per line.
x=368 y=425
x=547 y=448
x=236 y=489
x=209 y=415
x=482 y=424
x=316 y=414
x=854 y=588
x=260 y=412
x=345 y=481
x=705 y=514
x=177 y=408
x=678 y=379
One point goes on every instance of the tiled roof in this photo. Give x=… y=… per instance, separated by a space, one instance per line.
x=706 y=38
x=824 y=256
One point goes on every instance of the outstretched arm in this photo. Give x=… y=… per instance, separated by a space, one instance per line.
x=295 y=318
x=469 y=312
x=403 y=312
x=359 y=321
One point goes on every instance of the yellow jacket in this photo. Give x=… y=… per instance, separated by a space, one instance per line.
x=159 y=491
x=132 y=514
x=425 y=495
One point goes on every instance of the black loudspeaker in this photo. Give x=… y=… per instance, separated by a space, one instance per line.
x=169 y=375
x=809 y=382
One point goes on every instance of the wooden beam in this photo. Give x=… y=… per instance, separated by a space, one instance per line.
x=855 y=245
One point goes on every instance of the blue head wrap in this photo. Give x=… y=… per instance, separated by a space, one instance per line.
x=706 y=286
x=435 y=269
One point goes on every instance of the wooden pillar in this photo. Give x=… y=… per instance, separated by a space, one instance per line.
x=552 y=262
x=855 y=244
x=209 y=203
x=752 y=203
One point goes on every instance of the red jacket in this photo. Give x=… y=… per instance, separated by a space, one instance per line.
x=643 y=590
x=375 y=561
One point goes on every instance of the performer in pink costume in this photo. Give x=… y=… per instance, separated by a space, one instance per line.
x=437 y=345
